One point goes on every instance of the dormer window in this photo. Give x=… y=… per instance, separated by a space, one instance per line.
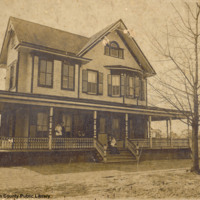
x=113 y=49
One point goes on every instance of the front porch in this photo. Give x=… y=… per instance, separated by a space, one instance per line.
x=31 y=127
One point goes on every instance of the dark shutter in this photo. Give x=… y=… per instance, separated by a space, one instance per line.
x=143 y=89
x=84 y=80
x=109 y=85
x=127 y=86
x=137 y=87
x=100 y=86
x=122 y=85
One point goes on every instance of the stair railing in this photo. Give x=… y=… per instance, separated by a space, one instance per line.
x=101 y=149
x=133 y=148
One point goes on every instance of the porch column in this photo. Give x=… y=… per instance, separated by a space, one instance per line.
x=150 y=136
x=50 y=127
x=126 y=128
x=170 y=130
x=95 y=123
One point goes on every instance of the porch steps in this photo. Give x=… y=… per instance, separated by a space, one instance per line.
x=124 y=156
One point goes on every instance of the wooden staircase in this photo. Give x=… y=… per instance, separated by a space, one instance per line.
x=124 y=156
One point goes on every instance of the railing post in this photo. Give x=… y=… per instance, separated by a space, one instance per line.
x=150 y=136
x=50 y=127
x=126 y=129
x=95 y=124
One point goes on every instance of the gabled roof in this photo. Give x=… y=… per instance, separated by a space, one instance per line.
x=44 y=36
x=30 y=33
x=129 y=41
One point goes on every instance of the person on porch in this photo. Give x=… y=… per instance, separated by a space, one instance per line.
x=58 y=130
x=113 y=148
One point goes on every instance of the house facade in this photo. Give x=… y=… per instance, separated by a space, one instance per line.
x=96 y=86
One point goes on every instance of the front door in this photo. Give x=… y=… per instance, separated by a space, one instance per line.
x=118 y=130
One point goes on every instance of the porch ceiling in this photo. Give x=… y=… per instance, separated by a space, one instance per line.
x=84 y=104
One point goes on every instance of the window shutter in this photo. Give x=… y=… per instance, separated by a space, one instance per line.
x=137 y=87
x=143 y=89
x=127 y=86
x=133 y=87
x=84 y=80
x=109 y=85
x=122 y=85
x=100 y=86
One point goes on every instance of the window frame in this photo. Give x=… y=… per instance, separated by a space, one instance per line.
x=119 y=86
x=62 y=76
x=52 y=74
x=42 y=125
x=108 y=49
x=94 y=71
x=98 y=91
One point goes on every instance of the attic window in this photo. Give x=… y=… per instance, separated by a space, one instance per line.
x=113 y=49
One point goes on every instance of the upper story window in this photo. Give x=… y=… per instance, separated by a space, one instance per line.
x=113 y=49
x=12 y=77
x=92 y=82
x=115 y=85
x=136 y=87
x=68 y=76
x=129 y=86
x=45 y=73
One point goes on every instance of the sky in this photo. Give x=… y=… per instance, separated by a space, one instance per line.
x=142 y=17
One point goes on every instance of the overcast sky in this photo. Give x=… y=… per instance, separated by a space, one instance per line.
x=89 y=16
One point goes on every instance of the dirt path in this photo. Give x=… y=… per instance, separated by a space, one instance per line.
x=100 y=184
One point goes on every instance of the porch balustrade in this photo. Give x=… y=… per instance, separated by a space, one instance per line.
x=162 y=143
x=72 y=143
x=17 y=143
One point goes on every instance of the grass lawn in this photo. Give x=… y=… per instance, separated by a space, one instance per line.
x=153 y=179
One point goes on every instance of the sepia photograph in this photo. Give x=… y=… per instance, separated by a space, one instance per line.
x=99 y=99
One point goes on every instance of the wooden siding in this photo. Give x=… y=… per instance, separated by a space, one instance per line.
x=99 y=60
x=56 y=90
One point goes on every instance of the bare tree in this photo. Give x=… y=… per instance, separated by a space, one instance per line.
x=180 y=55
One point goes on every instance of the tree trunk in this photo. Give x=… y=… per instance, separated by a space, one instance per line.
x=195 y=154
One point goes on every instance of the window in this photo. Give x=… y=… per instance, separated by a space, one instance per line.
x=115 y=85
x=42 y=121
x=92 y=82
x=45 y=73
x=136 y=88
x=68 y=72
x=12 y=77
x=114 y=50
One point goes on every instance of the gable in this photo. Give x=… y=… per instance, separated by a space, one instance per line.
x=97 y=54
x=131 y=44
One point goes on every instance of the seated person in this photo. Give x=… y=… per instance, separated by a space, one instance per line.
x=113 y=148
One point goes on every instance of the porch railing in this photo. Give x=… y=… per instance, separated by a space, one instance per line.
x=23 y=143
x=140 y=142
x=17 y=143
x=101 y=149
x=162 y=143
x=72 y=143
x=132 y=148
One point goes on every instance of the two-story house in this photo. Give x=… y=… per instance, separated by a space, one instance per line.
x=96 y=86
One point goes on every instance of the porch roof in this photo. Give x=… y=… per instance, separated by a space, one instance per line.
x=87 y=104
